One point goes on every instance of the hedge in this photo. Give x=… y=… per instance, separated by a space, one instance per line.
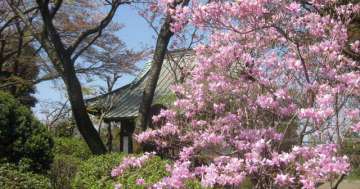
x=11 y=177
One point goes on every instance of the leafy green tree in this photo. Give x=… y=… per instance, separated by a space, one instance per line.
x=24 y=141
x=18 y=75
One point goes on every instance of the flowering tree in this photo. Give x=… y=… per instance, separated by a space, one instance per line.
x=268 y=66
x=68 y=31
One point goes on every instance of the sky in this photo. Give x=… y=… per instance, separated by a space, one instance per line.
x=136 y=34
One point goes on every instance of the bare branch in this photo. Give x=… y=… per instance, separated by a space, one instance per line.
x=57 y=6
x=77 y=54
x=98 y=28
x=338 y=182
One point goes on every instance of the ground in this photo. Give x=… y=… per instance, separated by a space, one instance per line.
x=346 y=184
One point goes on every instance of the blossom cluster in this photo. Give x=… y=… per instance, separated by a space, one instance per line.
x=131 y=162
x=271 y=76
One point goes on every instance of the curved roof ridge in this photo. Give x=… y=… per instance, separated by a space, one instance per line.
x=126 y=99
x=142 y=73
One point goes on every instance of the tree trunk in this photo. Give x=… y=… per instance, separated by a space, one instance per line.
x=64 y=56
x=148 y=94
x=82 y=119
x=109 y=137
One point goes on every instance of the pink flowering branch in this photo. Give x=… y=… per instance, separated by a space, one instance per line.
x=269 y=95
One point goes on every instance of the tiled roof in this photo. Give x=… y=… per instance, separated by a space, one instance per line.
x=125 y=101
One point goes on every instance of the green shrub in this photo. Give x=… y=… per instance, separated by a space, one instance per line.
x=12 y=178
x=69 y=153
x=75 y=147
x=166 y=100
x=351 y=147
x=94 y=173
x=63 y=171
x=152 y=171
x=24 y=141
x=354 y=174
x=193 y=184
x=64 y=128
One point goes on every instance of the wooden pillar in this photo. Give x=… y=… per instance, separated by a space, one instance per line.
x=126 y=131
x=109 y=137
x=118 y=124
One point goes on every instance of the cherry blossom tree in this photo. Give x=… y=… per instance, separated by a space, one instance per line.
x=267 y=66
x=68 y=31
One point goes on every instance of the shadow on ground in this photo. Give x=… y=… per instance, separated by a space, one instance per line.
x=346 y=184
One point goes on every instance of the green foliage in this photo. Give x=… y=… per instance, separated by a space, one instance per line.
x=152 y=171
x=354 y=174
x=63 y=171
x=193 y=184
x=73 y=146
x=24 y=141
x=17 y=74
x=64 y=128
x=351 y=147
x=69 y=153
x=247 y=184
x=166 y=100
x=94 y=173
x=12 y=178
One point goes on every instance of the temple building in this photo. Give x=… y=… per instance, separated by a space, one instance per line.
x=120 y=107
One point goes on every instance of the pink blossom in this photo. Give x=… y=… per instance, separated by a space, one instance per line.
x=353 y=113
x=283 y=180
x=266 y=102
x=355 y=46
x=210 y=175
x=218 y=108
x=130 y=162
x=325 y=100
x=307 y=184
x=294 y=7
x=179 y=173
x=286 y=157
x=186 y=153
x=140 y=181
x=281 y=94
x=356 y=127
